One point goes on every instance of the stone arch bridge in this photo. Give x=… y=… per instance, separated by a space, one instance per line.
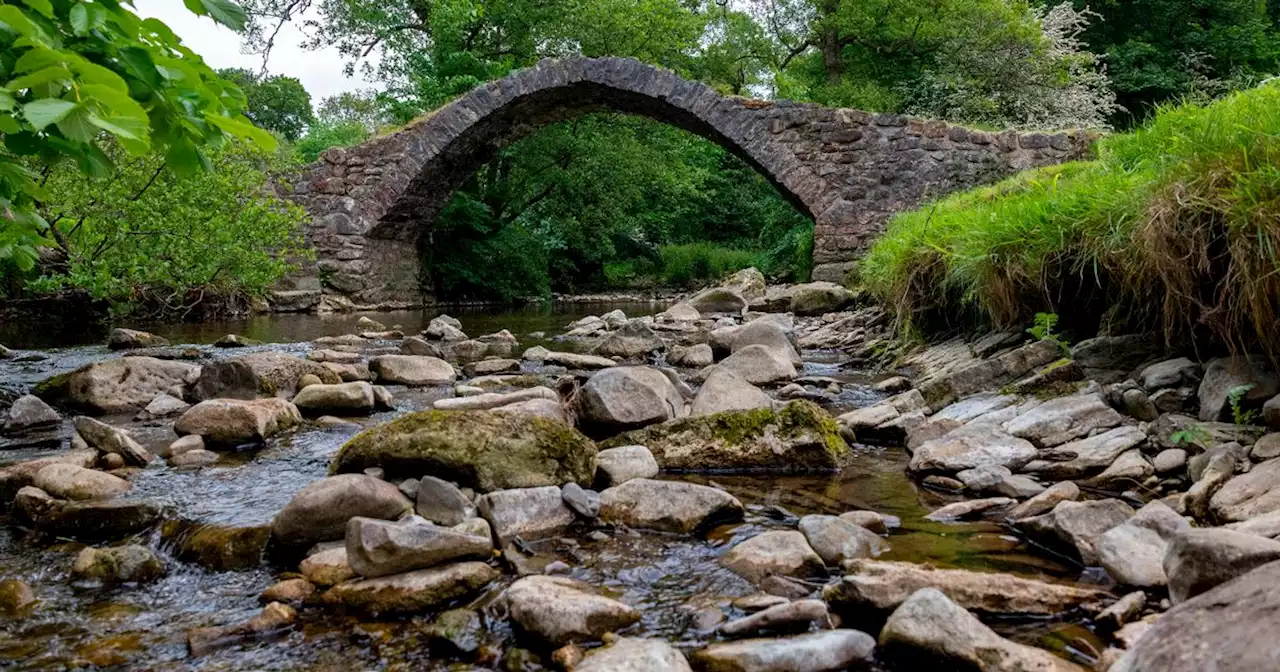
x=849 y=170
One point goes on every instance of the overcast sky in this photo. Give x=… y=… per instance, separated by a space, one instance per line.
x=319 y=71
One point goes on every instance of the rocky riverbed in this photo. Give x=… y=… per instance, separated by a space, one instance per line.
x=751 y=478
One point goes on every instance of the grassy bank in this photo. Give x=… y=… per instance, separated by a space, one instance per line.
x=1175 y=227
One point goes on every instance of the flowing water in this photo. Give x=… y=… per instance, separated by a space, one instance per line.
x=675 y=581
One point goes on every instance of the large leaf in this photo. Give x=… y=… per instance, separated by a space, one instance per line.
x=42 y=6
x=55 y=73
x=225 y=12
x=79 y=18
x=41 y=113
x=242 y=128
x=76 y=126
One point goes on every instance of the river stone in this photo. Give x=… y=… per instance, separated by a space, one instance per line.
x=413 y=345
x=1077 y=459
x=413 y=592
x=30 y=412
x=490 y=367
x=95 y=520
x=233 y=422
x=441 y=502
x=15 y=595
x=800 y=436
x=1200 y=559
x=220 y=548
x=528 y=513
x=119 y=564
x=68 y=481
x=632 y=654
x=492 y=400
x=320 y=511
x=344 y=398
x=624 y=398
x=777 y=552
x=327 y=567
x=412 y=370
x=1227 y=373
x=930 y=627
x=634 y=340
x=970 y=447
x=163 y=406
x=381 y=547
x=668 y=506
x=791 y=616
x=118 y=385
x=725 y=390
x=16 y=476
x=836 y=540
x=560 y=611
x=112 y=440
x=483 y=450
x=585 y=503
x=132 y=339
x=1078 y=525
x=1249 y=495
x=1133 y=552
x=718 y=300
x=970 y=508
x=814 y=652
x=871 y=520
x=574 y=361
x=770 y=334
x=760 y=365
x=1170 y=373
x=269 y=374
x=536 y=408
x=272 y=620
x=1169 y=460
x=1064 y=419
x=695 y=356
x=680 y=312
x=615 y=466
x=819 y=298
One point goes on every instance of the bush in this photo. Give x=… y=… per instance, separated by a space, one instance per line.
x=695 y=263
x=1175 y=226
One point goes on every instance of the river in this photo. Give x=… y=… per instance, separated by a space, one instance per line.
x=668 y=578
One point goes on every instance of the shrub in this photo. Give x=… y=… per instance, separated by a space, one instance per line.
x=695 y=263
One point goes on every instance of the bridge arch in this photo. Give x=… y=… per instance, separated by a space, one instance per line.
x=848 y=170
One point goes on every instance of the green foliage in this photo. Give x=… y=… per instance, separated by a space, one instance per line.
x=322 y=136
x=1192 y=435
x=151 y=235
x=1176 y=225
x=277 y=103
x=1043 y=330
x=697 y=263
x=79 y=72
x=1235 y=397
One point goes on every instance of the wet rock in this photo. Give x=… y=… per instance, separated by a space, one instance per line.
x=344 y=398
x=235 y=341
x=942 y=483
x=275 y=618
x=1133 y=552
x=718 y=300
x=1080 y=458
x=328 y=567
x=871 y=520
x=615 y=466
x=484 y=450
x=1227 y=373
x=220 y=548
x=460 y=631
x=1249 y=495
x=233 y=422
x=971 y=508
x=108 y=439
x=798 y=437
x=1064 y=419
x=17 y=476
x=493 y=400
x=412 y=592
x=528 y=513
x=330 y=357
x=289 y=591
x=882 y=586
x=15 y=597
x=30 y=412
x=268 y=374
x=624 y=398
x=118 y=564
x=780 y=552
x=132 y=339
x=68 y=481
x=163 y=406
x=560 y=610
x=1200 y=559
x=412 y=370
x=760 y=365
x=970 y=447
x=725 y=390
x=1123 y=611
x=468 y=350
x=634 y=340
x=441 y=502
x=758 y=602
x=1079 y=525
x=585 y=503
x=630 y=654
x=320 y=511
x=572 y=361
x=380 y=547
x=185 y=444
x=814 y=652
x=194 y=459
x=929 y=628
x=118 y=385
x=412 y=345
x=784 y=617
x=490 y=367
x=836 y=540
x=668 y=506
x=92 y=520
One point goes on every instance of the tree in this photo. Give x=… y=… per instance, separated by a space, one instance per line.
x=80 y=72
x=274 y=102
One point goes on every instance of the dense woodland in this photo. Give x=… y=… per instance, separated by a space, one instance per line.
x=597 y=202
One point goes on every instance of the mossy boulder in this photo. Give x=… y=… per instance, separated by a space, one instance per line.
x=483 y=450
x=220 y=548
x=797 y=437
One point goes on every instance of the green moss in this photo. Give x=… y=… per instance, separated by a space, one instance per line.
x=54 y=389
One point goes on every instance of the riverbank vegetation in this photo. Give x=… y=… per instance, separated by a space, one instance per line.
x=1175 y=227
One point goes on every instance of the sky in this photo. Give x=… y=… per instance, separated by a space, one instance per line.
x=319 y=71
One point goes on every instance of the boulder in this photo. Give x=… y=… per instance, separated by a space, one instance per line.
x=493 y=400
x=970 y=447
x=112 y=440
x=695 y=356
x=879 y=586
x=1080 y=458
x=355 y=398
x=871 y=520
x=132 y=339
x=15 y=595
x=327 y=567
x=441 y=502
x=1170 y=460
x=616 y=466
x=800 y=436
x=413 y=592
x=718 y=300
x=680 y=312
x=1131 y=467
x=633 y=340
x=118 y=385
x=444 y=328
x=749 y=282
x=68 y=481
x=1198 y=560
x=491 y=367
x=1064 y=419
x=632 y=654
x=813 y=652
x=836 y=540
x=163 y=406
x=413 y=345
x=528 y=513
x=484 y=450
x=560 y=611
x=1249 y=495
x=1225 y=374
x=624 y=398
x=929 y=630
x=760 y=365
x=1079 y=525
x=574 y=361
x=30 y=412
x=1170 y=373
x=668 y=506
x=119 y=564
x=725 y=390
x=970 y=508
x=261 y=374
x=232 y=422
x=771 y=335
x=412 y=370
x=19 y=475
x=320 y=511
x=774 y=553
x=93 y=520
x=235 y=341
x=378 y=547
x=584 y=502
x=818 y=298
x=1133 y=552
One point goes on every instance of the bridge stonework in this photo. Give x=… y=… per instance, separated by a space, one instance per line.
x=372 y=206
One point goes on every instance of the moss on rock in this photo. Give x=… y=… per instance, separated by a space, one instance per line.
x=798 y=437
x=478 y=449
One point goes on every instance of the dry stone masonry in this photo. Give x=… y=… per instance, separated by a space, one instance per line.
x=373 y=205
